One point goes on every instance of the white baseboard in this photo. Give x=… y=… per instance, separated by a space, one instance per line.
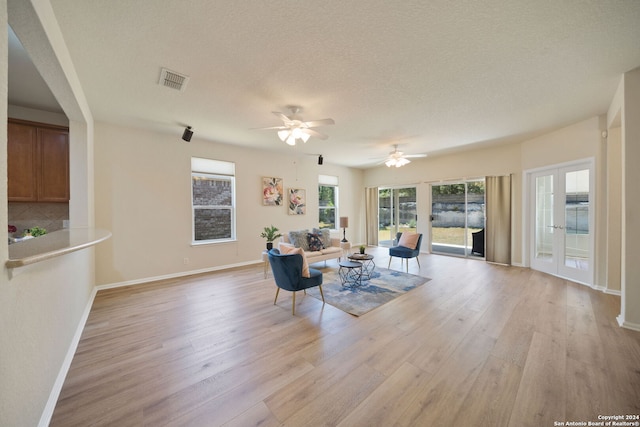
x=175 y=275
x=628 y=325
x=47 y=413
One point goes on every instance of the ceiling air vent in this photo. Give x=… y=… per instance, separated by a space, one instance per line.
x=173 y=80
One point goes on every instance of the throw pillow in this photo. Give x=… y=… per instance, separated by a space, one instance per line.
x=283 y=244
x=292 y=250
x=325 y=236
x=409 y=240
x=315 y=244
x=299 y=239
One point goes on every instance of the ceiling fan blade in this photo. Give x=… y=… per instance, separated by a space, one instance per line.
x=282 y=117
x=272 y=127
x=415 y=155
x=321 y=122
x=314 y=133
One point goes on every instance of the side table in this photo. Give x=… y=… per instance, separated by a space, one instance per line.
x=367 y=263
x=350 y=273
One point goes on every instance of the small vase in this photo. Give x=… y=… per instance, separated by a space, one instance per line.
x=362 y=251
x=269 y=246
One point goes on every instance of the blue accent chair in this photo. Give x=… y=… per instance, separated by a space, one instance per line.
x=287 y=272
x=405 y=253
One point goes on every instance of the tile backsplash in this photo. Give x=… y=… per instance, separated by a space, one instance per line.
x=46 y=215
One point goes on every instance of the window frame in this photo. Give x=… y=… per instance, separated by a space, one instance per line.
x=198 y=171
x=329 y=181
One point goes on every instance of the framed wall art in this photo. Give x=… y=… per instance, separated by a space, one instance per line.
x=297 y=199
x=272 y=192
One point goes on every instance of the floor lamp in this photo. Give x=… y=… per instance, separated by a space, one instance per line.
x=344 y=223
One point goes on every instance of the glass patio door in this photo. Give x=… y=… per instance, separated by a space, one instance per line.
x=457 y=218
x=396 y=213
x=562 y=217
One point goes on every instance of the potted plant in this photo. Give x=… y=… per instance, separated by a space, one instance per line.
x=35 y=231
x=362 y=249
x=271 y=234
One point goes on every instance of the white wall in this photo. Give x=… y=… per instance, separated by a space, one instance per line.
x=143 y=188
x=630 y=310
x=143 y=195
x=42 y=306
x=614 y=209
x=578 y=141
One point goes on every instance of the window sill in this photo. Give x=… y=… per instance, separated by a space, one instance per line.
x=213 y=242
x=54 y=244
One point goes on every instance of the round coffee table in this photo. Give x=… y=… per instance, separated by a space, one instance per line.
x=367 y=263
x=350 y=273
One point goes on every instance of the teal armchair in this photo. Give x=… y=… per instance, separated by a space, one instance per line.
x=405 y=253
x=287 y=272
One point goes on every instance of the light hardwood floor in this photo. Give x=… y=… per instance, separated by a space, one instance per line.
x=478 y=345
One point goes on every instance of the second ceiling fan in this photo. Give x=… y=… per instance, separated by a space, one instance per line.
x=294 y=128
x=398 y=158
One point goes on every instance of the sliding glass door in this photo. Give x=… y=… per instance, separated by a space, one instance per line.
x=396 y=213
x=457 y=218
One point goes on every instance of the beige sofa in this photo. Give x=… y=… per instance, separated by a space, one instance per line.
x=328 y=252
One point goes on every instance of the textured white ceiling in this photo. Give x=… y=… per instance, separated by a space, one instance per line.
x=428 y=75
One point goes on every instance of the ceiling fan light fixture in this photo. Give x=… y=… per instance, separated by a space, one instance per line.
x=291 y=136
x=402 y=161
x=283 y=135
x=397 y=162
x=296 y=133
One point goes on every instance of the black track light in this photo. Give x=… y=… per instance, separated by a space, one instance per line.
x=320 y=159
x=187 y=134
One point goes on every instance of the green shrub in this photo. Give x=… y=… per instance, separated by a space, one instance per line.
x=35 y=231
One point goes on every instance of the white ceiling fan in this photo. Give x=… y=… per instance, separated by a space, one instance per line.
x=295 y=128
x=398 y=158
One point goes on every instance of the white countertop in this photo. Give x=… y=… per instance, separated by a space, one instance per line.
x=54 y=244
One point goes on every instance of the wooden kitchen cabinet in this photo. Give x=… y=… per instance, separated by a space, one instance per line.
x=37 y=162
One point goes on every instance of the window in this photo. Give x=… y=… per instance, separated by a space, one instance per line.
x=397 y=212
x=212 y=200
x=328 y=201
